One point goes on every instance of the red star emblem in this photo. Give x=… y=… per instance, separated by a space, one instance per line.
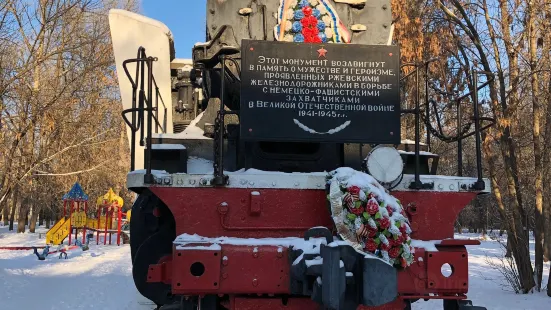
x=322 y=52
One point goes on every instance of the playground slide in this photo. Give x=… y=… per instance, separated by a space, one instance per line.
x=58 y=232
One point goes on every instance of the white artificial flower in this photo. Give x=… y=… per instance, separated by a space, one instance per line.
x=385 y=256
x=288 y=38
x=327 y=20
x=313 y=2
x=322 y=9
x=383 y=239
x=383 y=211
x=328 y=33
x=393 y=229
x=288 y=26
x=358 y=223
x=372 y=223
x=293 y=3
x=290 y=14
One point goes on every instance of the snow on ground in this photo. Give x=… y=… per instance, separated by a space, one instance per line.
x=101 y=278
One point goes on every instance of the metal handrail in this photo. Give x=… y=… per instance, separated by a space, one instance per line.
x=141 y=104
x=476 y=118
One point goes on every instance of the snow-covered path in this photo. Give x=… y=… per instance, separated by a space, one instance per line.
x=101 y=278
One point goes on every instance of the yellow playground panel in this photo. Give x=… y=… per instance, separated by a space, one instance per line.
x=92 y=223
x=58 y=232
x=109 y=208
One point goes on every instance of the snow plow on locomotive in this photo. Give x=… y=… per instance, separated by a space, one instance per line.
x=230 y=153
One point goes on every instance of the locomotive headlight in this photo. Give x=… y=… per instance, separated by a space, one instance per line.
x=385 y=164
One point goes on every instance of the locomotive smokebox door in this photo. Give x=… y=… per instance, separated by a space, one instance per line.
x=342 y=93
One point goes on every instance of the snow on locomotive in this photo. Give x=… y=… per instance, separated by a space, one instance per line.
x=230 y=151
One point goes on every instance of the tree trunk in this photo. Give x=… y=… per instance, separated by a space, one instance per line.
x=6 y=213
x=538 y=168
x=22 y=216
x=47 y=220
x=14 y=197
x=547 y=153
x=41 y=218
x=33 y=219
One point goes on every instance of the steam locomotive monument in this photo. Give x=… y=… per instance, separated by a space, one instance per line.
x=271 y=171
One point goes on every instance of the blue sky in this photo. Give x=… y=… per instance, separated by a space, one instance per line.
x=184 y=18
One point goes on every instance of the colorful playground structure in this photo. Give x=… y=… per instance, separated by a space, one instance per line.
x=76 y=218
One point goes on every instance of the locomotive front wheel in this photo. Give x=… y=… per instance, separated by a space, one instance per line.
x=144 y=223
x=151 y=250
x=153 y=229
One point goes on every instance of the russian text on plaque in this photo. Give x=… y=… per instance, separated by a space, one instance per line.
x=344 y=93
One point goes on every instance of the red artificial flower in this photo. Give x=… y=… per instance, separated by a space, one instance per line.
x=399 y=240
x=317 y=39
x=394 y=252
x=313 y=22
x=315 y=31
x=385 y=247
x=304 y=23
x=370 y=246
x=403 y=228
x=389 y=210
x=354 y=190
x=384 y=223
x=372 y=207
x=307 y=11
x=358 y=211
x=309 y=39
x=372 y=232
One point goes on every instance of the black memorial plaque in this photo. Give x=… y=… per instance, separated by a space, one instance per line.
x=341 y=93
